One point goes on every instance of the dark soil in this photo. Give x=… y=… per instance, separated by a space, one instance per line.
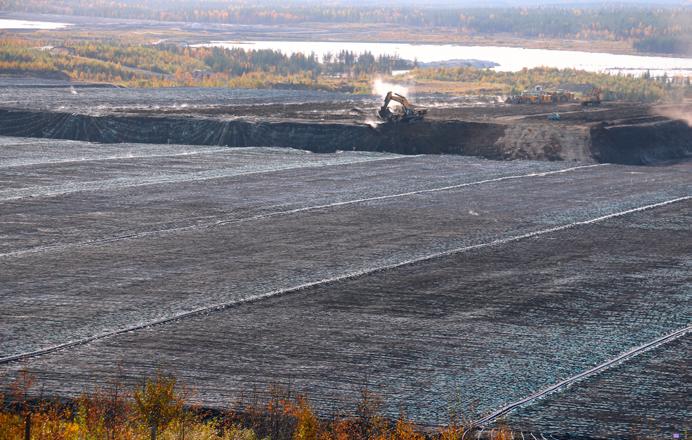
x=96 y=241
x=643 y=141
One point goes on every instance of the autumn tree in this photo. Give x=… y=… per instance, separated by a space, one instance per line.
x=158 y=403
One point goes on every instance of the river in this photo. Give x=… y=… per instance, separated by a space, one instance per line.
x=509 y=59
x=25 y=24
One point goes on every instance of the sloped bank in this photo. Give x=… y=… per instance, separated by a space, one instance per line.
x=453 y=137
x=640 y=142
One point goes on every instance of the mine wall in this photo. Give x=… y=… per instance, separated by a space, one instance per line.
x=642 y=143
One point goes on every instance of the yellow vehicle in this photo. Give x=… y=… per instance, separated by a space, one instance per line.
x=594 y=98
x=408 y=111
x=540 y=96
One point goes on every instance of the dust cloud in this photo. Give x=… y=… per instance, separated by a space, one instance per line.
x=682 y=112
x=380 y=88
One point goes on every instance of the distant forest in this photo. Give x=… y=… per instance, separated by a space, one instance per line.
x=167 y=65
x=653 y=29
x=170 y=65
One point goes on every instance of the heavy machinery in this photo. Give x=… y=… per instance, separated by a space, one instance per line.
x=540 y=96
x=407 y=113
x=594 y=98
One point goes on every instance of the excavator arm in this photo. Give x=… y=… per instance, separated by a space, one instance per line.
x=397 y=98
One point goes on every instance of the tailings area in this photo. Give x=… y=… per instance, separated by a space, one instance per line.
x=438 y=281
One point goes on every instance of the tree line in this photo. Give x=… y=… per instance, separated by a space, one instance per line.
x=170 y=64
x=613 y=22
x=616 y=87
x=665 y=44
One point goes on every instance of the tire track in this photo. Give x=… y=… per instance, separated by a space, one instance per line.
x=215 y=223
x=122 y=183
x=630 y=354
x=333 y=280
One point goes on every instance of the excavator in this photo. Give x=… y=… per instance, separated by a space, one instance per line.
x=540 y=96
x=407 y=113
x=594 y=98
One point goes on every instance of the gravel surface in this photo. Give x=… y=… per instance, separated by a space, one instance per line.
x=83 y=99
x=283 y=104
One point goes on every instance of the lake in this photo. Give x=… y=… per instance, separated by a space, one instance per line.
x=509 y=59
x=24 y=24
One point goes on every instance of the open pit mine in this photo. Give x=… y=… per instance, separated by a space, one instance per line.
x=632 y=134
x=485 y=259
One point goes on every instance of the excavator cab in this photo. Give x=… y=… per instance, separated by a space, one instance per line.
x=407 y=113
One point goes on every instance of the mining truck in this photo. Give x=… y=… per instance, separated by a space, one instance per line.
x=407 y=113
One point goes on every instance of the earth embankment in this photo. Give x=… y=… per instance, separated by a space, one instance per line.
x=641 y=142
x=633 y=141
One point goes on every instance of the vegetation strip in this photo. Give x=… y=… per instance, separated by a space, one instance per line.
x=117 y=61
x=328 y=281
x=595 y=370
x=60 y=247
x=58 y=190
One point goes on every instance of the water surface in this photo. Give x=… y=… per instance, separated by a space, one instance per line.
x=24 y=24
x=510 y=59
